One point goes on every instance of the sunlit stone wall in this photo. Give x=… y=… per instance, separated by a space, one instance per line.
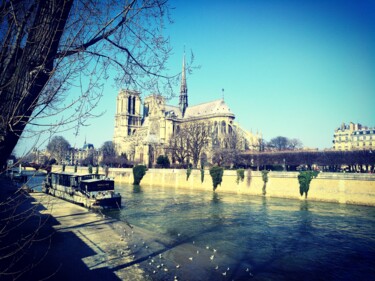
x=329 y=187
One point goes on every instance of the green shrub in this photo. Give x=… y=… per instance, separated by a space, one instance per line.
x=202 y=175
x=217 y=175
x=188 y=173
x=163 y=161
x=240 y=175
x=90 y=169
x=265 y=180
x=304 y=179
x=138 y=172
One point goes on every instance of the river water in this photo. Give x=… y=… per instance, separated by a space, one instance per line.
x=256 y=238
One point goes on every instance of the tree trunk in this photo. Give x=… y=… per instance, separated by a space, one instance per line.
x=29 y=72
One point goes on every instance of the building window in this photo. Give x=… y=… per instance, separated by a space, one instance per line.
x=223 y=127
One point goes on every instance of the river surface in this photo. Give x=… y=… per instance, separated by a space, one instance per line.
x=256 y=238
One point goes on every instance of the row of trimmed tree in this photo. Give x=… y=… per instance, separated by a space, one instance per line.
x=352 y=161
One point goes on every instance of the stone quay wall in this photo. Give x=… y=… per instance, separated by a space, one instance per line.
x=343 y=188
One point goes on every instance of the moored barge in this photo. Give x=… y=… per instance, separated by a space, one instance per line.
x=89 y=190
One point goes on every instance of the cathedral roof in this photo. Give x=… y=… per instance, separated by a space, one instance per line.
x=169 y=109
x=208 y=108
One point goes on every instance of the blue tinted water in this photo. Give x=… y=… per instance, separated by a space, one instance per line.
x=259 y=238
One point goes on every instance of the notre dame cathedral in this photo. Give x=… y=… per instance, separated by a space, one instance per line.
x=145 y=134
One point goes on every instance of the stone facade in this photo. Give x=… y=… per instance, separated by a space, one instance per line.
x=144 y=136
x=354 y=137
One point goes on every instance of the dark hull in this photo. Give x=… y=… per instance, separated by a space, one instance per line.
x=82 y=200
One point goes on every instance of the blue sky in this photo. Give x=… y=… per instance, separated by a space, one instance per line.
x=291 y=68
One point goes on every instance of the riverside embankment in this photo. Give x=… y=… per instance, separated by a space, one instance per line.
x=44 y=237
x=327 y=187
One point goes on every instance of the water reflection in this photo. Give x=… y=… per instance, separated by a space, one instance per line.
x=137 y=189
x=215 y=198
x=276 y=239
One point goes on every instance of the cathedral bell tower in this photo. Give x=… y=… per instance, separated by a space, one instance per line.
x=183 y=103
x=128 y=116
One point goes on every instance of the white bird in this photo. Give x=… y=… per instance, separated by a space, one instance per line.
x=152 y=260
x=193 y=242
x=228 y=269
x=160 y=255
x=214 y=250
x=154 y=271
x=207 y=247
x=197 y=252
x=217 y=267
x=158 y=266
x=247 y=269
x=135 y=245
x=178 y=266
x=146 y=247
x=165 y=269
x=224 y=273
x=191 y=258
x=212 y=257
x=179 y=234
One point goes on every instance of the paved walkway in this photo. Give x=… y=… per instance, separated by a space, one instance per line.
x=86 y=244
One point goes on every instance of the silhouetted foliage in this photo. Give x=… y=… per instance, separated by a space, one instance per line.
x=304 y=179
x=216 y=173
x=188 y=173
x=138 y=172
x=163 y=161
x=240 y=175
x=202 y=175
x=265 y=180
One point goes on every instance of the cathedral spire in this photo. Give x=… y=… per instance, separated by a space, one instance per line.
x=183 y=90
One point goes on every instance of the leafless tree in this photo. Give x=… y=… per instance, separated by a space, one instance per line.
x=58 y=147
x=228 y=151
x=198 y=135
x=279 y=143
x=55 y=56
x=294 y=144
x=178 y=147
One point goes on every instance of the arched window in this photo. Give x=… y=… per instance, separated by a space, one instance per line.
x=133 y=112
x=230 y=130
x=223 y=127
x=129 y=105
x=215 y=128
